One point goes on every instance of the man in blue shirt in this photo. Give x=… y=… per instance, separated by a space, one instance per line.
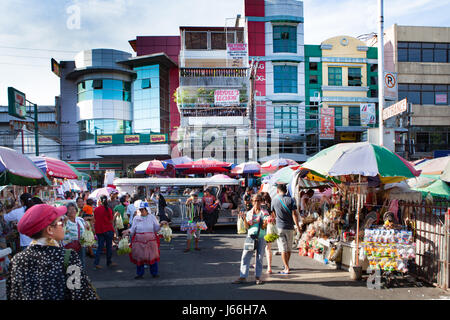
x=286 y=217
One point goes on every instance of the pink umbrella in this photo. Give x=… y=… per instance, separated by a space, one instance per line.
x=205 y=165
x=96 y=194
x=275 y=164
x=221 y=176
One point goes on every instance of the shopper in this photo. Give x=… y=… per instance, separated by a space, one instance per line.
x=161 y=204
x=144 y=241
x=210 y=209
x=195 y=214
x=286 y=216
x=119 y=210
x=247 y=197
x=74 y=228
x=255 y=221
x=80 y=206
x=131 y=209
x=17 y=214
x=114 y=201
x=45 y=271
x=266 y=205
x=105 y=232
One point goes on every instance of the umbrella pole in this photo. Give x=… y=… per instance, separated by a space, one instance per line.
x=357 y=221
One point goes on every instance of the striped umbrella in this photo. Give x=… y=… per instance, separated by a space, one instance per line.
x=247 y=167
x=151 y=167
x=55 y=168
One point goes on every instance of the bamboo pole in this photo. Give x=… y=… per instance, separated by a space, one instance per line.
x=357 y=221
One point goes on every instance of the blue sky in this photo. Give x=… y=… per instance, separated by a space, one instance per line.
x=42 y=24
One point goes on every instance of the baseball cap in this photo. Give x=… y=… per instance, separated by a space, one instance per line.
x=39 y=217
x=142 y=205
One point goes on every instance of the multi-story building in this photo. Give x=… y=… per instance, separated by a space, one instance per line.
x=213 y=93
x=275 y=39
x=421 y=58
x=340 y=73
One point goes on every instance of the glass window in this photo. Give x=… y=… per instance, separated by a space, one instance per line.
x=373 y=80
x=218 y=41
x=427 y=45
x=313 y=79
x=413 y=97
x=334 y=76
x=338 y=116
x=414 y=55
x=402 y=55
x=313 y=66
x=145 y=83
x=440 y=55
x=97 y=84
x=427 y=97
x=427 y=55
x=354 y=77
x=441 y=98
x=374 y=68
x=285 y=79
x=414 y=45
x=196 y=40
x=374 y=93
x=285 y=39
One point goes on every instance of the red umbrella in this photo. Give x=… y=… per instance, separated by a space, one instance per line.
x=205 y=165
x=54 y=168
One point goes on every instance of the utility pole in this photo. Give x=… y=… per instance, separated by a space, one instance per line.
x=251 y=112
x=380 y=72
x=36 y=129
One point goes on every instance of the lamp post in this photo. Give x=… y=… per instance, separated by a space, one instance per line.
x=380 y=72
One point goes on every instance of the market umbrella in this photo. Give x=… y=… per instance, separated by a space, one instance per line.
x=18 y=169
x=179 y=160
x=97 y=193
x=283 y=176
x=247 y=167
x=361 y=158
x=81 y=175
x=275 y=164
x=221 y=177
x=54 y=168
x=204 y=165
x=151 y=167
x=439 y=189
x=445 y=176
x=433 y=166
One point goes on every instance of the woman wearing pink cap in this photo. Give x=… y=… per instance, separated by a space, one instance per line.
x=45 y=270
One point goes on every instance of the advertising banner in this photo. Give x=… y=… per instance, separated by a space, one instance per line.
x=226 y=97
x=16 y=103
x=132 y=138
x=236 y=54
x=104 y=139
x=327 y=123
x=367 y=113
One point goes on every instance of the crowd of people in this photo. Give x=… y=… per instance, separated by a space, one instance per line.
x=112 y=218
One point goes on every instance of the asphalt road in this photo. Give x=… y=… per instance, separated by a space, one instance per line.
x=207 y=275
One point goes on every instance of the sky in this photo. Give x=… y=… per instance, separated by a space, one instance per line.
x=34 y=31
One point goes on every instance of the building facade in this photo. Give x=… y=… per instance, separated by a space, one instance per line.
x=421 y=58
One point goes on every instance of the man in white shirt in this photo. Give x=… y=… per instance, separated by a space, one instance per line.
x=131 y=208
x=17 y=214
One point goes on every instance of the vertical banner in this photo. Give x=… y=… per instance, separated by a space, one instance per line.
x=236 y=54
x=327 y=123
x=367 y=113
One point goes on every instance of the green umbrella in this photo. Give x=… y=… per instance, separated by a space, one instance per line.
x=446 y=174
x=439 y=189
x=80 y=175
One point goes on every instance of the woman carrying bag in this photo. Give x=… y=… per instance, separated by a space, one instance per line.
x=73 y=232
x=255 y=221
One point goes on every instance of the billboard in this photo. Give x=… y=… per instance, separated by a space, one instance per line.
x=236 y=54
x=327 y=123
x=226 y=97
x=367 y=113
x=16 y=103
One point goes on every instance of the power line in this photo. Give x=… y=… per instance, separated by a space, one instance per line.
x=35 y=49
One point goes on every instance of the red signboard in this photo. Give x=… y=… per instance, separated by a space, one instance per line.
x=327 y=123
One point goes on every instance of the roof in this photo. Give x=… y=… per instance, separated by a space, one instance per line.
x=76 y=73
x=155 y=58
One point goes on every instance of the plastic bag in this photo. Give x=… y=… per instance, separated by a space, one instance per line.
x=271 y=233
x=241 y=226
x=166 y=232
x=87 y=239
x=119 y=222
x=124 y=246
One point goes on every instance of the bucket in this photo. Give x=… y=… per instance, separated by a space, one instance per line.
x=355 y=272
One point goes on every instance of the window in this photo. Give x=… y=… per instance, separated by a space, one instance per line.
x=373 y=93
x=196 y=40
x=313 y=66
x=354 y=116
x=286 y=119
x=334 y=76
x=354 y=77
x=423 y=52
x=313 y=79
x=97 y=84
x=374 y=68
x=146 y=84
x=374 y=80
x=285 y=79
x=285 y=39
x=218 y=41
x=338 y=116
x=424 y=94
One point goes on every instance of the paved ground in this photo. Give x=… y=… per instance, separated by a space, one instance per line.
x=207 y=275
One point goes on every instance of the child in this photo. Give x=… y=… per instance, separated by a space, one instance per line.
x=195 y=214
x=88 y=216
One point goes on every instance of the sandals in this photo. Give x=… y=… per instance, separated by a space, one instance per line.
x=258 y=281
x=283 y=272
x=269 y=271
x=238 y=281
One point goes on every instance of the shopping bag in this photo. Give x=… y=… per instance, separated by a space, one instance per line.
x=119 y=222
x=87 y=239
x=241 y=226
x=166 y=233
x=271 y=233
x=124 y=246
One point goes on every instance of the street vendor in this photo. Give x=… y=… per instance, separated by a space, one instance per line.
x=304 y=201
x=210 y=208
x=145 y=241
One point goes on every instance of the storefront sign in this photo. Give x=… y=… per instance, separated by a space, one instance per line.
x=236 y=54
x=56 y=68
x=16 y=103
x=348 y=136
x=157 y=138
x=441 y=98
x=104 y=139
x=326 y=123
x=226 y=97
x=367 y=113
x=395 y=109
x=132 y=138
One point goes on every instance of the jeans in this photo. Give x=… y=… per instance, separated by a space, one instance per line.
x=153 y=269
x=247 y=256
x=102 y=238
x=82 y=255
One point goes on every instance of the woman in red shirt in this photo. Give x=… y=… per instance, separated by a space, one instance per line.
x=105 y=232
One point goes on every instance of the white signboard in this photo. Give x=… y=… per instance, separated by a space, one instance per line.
x=367 y=112
x=226 y=97
x=395 y=109
x=237 y=54
x=390 y=85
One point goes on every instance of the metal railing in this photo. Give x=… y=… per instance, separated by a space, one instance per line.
x=214 y=72
x=215 y=112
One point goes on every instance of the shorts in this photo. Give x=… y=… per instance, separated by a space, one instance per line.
x=285 y=240
x=195 y=234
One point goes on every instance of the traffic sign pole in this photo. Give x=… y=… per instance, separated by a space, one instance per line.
x=380 y=73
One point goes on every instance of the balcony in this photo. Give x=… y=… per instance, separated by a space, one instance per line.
x=213 y=77
x=215 y=112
